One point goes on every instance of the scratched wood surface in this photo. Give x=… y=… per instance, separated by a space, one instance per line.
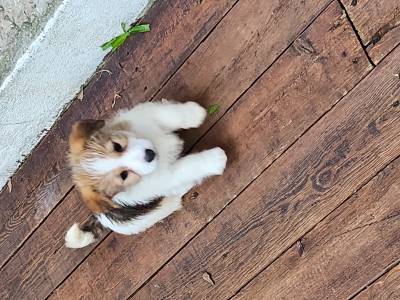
x=377 y=23
x=351 y=247
x=306 y=122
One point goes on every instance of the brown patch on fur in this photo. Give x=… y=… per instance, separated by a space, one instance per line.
x=95 y=201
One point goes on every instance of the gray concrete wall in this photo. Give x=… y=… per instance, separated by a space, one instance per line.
x=20 y=23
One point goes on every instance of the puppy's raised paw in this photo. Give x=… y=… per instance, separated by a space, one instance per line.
x=194 y=115
x=215 y=160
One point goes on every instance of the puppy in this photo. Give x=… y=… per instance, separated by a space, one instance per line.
x=129 y=171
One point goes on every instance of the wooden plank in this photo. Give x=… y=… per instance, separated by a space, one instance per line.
x=283 y=104
x=378 y=24
x=247 y=43
x=138 y=70
x=338 y=155
x=384 y=46
x=344 y=252
x=386 y=287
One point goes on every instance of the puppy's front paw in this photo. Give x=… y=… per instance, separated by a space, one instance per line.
x=194 y=115
x=215 y=160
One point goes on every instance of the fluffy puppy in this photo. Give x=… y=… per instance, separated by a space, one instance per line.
x=129 y=171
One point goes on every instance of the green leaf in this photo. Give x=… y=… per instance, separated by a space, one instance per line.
x=213 y=109
x=139 y=28
x=110 y=43
x=117 y=41
x=106 y=45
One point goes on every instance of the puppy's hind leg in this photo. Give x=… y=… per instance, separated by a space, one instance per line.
x=85 y=233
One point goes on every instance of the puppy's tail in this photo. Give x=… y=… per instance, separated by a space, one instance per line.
x=83 y=234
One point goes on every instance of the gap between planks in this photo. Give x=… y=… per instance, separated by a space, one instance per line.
x=377 y=278
x=356 y=32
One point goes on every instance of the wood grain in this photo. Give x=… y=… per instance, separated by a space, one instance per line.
x=378 y=24
x=256 y=130
x=350 y=248
x=385 y=287
x=138 y=69
x=337 y=156
x=43 y=261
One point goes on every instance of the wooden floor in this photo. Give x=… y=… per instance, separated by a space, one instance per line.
x=309 y=206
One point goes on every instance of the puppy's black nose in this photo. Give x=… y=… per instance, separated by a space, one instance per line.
x=149 y=155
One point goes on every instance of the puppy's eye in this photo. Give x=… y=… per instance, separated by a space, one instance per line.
x=117 y=147
x=124 y=175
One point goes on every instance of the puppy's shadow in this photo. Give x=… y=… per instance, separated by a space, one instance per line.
x=228 y=144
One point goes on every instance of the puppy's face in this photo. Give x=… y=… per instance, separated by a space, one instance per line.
x=106 y=159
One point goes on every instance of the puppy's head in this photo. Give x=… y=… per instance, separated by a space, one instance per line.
x=106 y=158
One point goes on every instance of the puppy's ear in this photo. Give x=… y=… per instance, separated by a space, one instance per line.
x=81 y=131
x=95 y=201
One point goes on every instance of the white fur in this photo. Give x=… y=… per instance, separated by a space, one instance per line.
x=133 y=158
x=76 y=238
x=173 y=177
